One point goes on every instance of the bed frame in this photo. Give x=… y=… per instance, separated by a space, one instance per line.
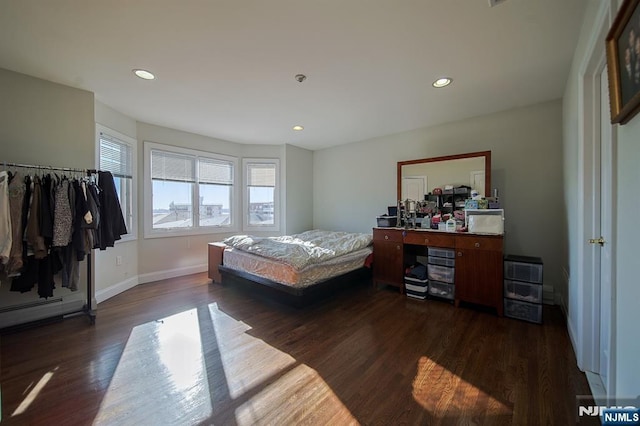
x=292 y=296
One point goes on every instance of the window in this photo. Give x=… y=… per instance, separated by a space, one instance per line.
x=261 y=194
x=191 y=191
x=117 y=155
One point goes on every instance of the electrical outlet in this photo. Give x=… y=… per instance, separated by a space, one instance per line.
x=118 y=260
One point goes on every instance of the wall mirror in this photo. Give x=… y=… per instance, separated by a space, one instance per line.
x=416 y=178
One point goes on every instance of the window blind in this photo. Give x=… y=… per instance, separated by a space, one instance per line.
x=115 y=156
x=215 y=171
x=170 y=166
x=261 y=175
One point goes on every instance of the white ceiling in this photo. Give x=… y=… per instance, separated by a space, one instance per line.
x=225 y=68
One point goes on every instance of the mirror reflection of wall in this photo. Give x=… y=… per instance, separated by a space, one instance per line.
x=462 y=171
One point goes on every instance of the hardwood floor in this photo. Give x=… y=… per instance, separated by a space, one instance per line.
x=185 y=351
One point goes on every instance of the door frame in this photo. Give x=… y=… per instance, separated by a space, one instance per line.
x=586 y=336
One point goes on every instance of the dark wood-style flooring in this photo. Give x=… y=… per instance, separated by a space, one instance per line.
x=186 y=352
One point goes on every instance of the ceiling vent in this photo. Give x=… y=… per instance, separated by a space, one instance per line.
x=496 y=2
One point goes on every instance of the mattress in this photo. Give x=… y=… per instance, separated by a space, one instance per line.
x=302 y=250
x=284 y=273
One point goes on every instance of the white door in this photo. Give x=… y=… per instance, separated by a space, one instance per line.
x=476 y=179
x=414 y=187
x=604 y=187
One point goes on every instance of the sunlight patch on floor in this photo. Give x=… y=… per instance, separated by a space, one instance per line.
x=270 y=386
x=161 y=377
x=164 y=377
x=444 y=393
x=306 y=397
x=248 y=361
x=33 y=394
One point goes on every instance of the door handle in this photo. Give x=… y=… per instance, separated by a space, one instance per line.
x=600 y=241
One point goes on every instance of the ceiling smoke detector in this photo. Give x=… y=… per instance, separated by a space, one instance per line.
x=300 y=78
x=496 y=2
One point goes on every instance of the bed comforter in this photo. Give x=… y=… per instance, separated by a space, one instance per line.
x=304 y=249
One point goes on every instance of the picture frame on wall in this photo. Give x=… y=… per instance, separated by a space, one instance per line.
x=623 y=63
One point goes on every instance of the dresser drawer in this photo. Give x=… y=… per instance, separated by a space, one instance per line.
x=431 y=239
x=479 y=243
x=387 y=235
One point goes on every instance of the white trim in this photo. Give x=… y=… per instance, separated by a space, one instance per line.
x=115 y=289
x=585 y=332
x=133 y=143
x=149 y=232
x=171 y=273
x=585 y=131
x=276 y=196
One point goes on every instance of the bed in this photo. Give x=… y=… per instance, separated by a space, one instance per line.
x=297 y=269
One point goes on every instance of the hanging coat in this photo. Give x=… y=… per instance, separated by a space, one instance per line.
x=112 y=225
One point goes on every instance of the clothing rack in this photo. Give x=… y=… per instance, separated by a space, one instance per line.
x=87 y=308
x=41 y=168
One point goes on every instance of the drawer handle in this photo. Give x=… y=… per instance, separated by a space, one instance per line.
x=477 y=244
x=426 y=241
x=386 y=237
x=398 y=247
x=459 y=254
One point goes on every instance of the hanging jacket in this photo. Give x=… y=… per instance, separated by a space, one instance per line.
x=112 y=225
x=16 y=200
x=63 y=216
x=5 y=219
x=34 y=237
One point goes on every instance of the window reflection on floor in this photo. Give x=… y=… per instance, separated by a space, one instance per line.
x=164 y=377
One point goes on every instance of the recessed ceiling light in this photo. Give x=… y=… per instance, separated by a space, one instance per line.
x=144 y=74
x=298 y=128
x=442 y=82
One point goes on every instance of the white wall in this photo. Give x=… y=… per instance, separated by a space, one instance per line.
x=356 y=182
x=298 y=189
x=45 y=123
x=627 y=236
x=112 y=278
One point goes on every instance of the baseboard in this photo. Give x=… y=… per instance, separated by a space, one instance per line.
x=560 y=302
x=574 y=344
x=597 y=388
x=171 y=273
x=548 y=295
x=113 y=290
x=49 y=309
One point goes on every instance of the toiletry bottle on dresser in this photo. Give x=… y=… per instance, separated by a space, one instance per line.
x=451 y=224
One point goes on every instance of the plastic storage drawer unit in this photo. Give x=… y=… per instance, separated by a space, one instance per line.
x=523 y=268
x=523 y=291
x=440 y=273
x=438 y=252
x=523 y=310
x=442 y=261
x=444 y=290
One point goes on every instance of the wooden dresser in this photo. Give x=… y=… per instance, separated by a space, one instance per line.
x=478 y=261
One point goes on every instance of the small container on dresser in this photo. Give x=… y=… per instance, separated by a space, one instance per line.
x=523 y=288
x=440 y=271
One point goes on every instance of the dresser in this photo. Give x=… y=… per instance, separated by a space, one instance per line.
x=478 y=275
